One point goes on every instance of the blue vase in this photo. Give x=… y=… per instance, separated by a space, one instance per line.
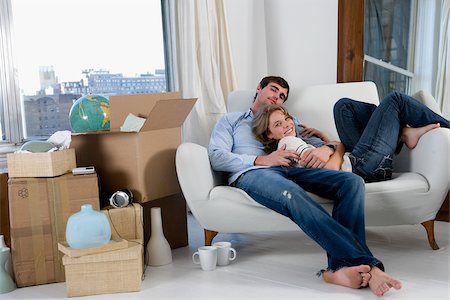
x=87 y=228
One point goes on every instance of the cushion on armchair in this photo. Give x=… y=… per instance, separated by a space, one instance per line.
x=427 y=99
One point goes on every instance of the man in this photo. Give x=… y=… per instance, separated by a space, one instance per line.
x=270 y=181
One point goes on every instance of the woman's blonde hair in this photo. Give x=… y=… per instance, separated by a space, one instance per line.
x=260 y=125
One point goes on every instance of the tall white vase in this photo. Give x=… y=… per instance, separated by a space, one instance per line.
x=159 y=252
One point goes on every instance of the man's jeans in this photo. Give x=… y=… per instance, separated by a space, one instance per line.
x=342 y=235
x=372 y=133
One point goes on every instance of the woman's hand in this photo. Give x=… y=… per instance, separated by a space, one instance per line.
x=280 y=157
x=316 y=158
x=334 y=161
x=333 y=164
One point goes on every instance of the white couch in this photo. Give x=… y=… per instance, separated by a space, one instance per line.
x=413 y=196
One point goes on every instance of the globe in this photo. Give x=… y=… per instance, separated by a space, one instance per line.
x=90 y=113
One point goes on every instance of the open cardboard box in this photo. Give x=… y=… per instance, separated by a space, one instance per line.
x=143 y=161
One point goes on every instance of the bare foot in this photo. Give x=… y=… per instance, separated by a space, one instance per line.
x=381 y=282
x=410 y=136
x=351 y=277
x=365 y=279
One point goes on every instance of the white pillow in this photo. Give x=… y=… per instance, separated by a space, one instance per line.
x=427 y=99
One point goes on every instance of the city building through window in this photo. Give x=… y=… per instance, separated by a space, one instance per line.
x=61 y=50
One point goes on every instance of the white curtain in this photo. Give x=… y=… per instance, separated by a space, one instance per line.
x=201 y=56
x=426 y=43
x=443 y=75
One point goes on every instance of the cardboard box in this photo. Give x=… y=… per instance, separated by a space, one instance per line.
x=4 y=207
x=126 y=225
x=110 y=271
x=43 y=164
x=444 y=212
x=126 y=222
x=39 y=209
x=105 y=273
x=174 y=219
x=144 y=161
x=113 y=244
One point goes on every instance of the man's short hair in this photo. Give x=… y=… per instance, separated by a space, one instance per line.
x=275 y=79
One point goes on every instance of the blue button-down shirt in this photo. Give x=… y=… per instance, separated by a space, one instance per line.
x=233 y=148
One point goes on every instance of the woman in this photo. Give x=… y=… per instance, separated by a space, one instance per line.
x=275 y=128
x=398 y=120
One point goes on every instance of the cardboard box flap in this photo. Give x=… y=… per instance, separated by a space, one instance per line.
x=168 y=114
x=113 y=244
x=132 y=252
x=139 y=105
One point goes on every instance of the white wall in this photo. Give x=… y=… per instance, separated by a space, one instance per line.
x=248 y=40
x=296 y=39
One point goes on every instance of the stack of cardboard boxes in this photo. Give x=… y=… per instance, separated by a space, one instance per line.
x=144 y=161
x=42 y=195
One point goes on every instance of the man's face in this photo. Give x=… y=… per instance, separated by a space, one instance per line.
x=273 y=93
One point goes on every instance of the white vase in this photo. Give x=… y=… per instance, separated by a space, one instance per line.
x=6 y=278
x=8 y=264
x=159 y=252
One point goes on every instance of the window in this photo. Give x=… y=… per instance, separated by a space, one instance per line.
x=55 y=51
x=388 y=36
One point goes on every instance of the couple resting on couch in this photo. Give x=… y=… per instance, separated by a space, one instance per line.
x=271 y=181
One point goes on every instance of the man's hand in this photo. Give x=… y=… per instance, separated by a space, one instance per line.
x=279 y=157
x=307 y=132
x=316 y=158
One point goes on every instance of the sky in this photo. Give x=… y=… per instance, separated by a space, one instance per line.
x=71 y=35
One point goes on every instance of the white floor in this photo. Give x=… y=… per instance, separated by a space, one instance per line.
x=283 y=266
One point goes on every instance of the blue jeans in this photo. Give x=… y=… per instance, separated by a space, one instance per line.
x=341 y=235
x=372 y=133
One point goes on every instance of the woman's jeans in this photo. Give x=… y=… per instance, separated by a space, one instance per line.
x=372 y=133
x=342 y=235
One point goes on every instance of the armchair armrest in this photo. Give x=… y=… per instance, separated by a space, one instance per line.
x=194 y=173
x=430 y=158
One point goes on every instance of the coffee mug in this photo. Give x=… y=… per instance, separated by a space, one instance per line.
x=207 y=257
x=224 y=253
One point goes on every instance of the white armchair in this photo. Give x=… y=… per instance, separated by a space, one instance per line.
x=414 y=196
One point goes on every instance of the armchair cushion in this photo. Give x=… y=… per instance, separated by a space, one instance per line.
x=427 y=99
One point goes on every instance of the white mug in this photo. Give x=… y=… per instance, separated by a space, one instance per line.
x=225 y=253
x=207 y=257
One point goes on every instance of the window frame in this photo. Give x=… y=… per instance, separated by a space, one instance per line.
x=11 y=108
x=11 y=114
x=409 y=72
x=351 y=56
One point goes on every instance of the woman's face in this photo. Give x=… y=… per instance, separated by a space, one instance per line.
x=280 y=125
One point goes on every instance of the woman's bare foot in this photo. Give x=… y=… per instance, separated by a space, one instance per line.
x=410 y=136
x=352 y=277
x=381 y=282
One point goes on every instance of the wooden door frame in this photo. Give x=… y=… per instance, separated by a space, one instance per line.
x=350 y=40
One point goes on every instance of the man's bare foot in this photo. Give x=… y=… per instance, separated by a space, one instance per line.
x=381 y=282
x=351 y=277
x=365 y=279
x=410 y=136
